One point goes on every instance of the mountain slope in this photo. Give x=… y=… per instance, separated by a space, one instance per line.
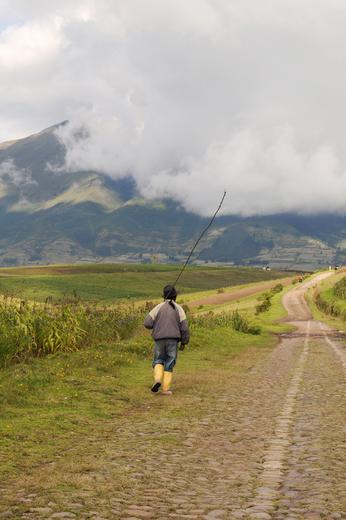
x=49 y=215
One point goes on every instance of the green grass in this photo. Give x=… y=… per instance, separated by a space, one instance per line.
x=108 y=283
x=325 y=303
x=270 y=321
x=340 y=289
x=49 y=404
x=30 y=330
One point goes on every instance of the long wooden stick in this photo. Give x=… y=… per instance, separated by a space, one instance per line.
x=199 y=238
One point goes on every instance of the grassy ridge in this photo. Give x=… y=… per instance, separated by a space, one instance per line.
x=331 y=298
x=340 y=289
x=108 y=283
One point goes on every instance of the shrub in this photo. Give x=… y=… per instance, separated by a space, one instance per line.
x=264 y=305
x=241 y=324
x=277 y=288
x=255 y=330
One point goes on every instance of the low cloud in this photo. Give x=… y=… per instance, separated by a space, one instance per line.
x=11 y=175
x=190 y=98
x=260 y=178
x=14 y=180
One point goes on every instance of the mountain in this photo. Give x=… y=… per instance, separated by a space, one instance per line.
x=49 y=215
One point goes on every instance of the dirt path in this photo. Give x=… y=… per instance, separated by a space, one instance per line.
x=268 y=442
x=218 y=299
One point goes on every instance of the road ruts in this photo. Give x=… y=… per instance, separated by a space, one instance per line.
x=303 y=474
x=268 y=443
x=271 y=476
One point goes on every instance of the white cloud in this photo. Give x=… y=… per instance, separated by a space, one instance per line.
x=289 y=180
x=30 y=45
x=188 y=97
x=11 y=176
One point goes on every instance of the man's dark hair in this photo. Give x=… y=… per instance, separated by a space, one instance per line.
x=169 y=292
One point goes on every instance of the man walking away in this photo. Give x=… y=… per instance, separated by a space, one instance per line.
x=169 y=326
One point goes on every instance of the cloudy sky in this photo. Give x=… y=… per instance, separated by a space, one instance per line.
x=190 y=97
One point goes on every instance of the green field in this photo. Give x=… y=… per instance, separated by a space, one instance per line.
x=110 y=282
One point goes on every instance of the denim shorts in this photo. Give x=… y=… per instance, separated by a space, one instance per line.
x=165 y=353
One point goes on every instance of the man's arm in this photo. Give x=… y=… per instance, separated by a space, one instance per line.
x=148 y=322
x=150 y=318
x=185 y=333
x=184 y=326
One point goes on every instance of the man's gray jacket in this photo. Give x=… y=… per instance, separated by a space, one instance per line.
x=168 y=321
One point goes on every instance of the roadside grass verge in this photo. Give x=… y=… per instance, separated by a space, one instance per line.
x=271 y=321
x=326 y=305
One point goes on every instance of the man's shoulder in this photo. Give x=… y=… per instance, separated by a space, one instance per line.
x=154 y=312
x=181 y=311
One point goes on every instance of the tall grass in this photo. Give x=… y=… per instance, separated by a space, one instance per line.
x=333 y=300
x=340 y=288
x=29 y=330
x=233 y=320
x=329 y=306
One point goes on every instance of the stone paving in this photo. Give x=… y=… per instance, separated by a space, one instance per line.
x=268 y=443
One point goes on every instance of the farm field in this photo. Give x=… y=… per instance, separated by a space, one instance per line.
x=108 y=283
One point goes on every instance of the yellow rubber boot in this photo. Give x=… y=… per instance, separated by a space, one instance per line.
x=167 y=381
x=158 y=376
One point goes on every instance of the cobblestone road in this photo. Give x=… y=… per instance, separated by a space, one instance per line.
x=269 y=443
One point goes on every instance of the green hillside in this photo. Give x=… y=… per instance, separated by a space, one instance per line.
x=48 y=215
